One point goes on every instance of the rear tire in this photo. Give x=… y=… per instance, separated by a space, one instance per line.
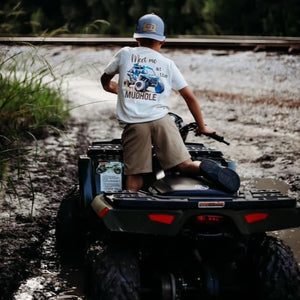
x=114 y=272
x=70 y=228
x=276 y=271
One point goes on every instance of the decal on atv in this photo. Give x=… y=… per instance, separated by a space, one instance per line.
x=110 y=175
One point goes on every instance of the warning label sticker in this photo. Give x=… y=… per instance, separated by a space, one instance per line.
x=110 y=176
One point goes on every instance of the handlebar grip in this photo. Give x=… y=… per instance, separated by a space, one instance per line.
x=214 y=136
x=217 y=138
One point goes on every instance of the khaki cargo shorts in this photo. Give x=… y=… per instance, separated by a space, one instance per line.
x=162 y=136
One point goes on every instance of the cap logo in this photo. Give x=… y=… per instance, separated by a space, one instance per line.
x=150 y=27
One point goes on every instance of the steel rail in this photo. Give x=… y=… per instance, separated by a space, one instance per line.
x=290 y=45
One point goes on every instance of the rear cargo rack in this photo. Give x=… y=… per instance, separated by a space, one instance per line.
x=247 y=200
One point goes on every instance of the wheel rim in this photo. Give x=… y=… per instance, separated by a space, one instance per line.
x=168 y=287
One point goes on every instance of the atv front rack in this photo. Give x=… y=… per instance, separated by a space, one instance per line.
x=114 y=148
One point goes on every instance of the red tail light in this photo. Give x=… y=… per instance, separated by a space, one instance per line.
x=210 y=219
x=256 y=217
x=162 y=218
x=103 y=212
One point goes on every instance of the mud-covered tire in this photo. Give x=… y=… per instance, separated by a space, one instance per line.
x=70 y=227
x=113 y=272
x=276 y=271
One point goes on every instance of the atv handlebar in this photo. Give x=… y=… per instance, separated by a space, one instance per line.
x=193 y=126
x=218 y=138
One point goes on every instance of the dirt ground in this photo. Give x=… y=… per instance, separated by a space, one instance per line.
x=252 y=99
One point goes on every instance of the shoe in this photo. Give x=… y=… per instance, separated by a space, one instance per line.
x=226 y=178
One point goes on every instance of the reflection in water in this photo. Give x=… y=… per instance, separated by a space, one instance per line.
x=52 y=282
x=291 y=237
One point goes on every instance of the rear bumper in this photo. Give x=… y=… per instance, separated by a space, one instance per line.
x=127 y=212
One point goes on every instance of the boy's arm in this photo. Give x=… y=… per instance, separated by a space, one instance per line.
x=194 y=107
x=108 y=84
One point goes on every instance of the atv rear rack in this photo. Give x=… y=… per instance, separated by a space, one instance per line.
x=247 y=200
x=251 y=212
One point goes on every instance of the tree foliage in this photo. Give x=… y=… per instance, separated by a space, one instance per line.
x=182 y=17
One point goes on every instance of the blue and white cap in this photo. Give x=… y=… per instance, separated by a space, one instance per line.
x=150 y=26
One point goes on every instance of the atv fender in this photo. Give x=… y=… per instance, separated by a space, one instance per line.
x=85 y=180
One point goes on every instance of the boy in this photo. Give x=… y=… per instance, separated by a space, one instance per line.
x=146 y=78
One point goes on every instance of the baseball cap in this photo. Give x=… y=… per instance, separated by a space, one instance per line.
x=150 y=26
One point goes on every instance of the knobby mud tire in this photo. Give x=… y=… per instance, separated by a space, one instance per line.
x=70 y=227
x=113 y=272
x=276 y=270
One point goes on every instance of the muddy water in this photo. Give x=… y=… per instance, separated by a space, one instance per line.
x=53 y=281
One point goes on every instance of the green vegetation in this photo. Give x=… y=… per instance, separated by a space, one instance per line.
x=182 y=17
x=27 y=103
x=31 y=103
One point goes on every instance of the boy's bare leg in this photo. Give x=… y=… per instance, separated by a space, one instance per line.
x=134 y=182
x=189 y=167
x=226 y=178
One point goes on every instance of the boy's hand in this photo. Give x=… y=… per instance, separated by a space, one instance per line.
x=204 y=130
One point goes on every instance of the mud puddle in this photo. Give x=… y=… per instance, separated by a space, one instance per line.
x=52 y=281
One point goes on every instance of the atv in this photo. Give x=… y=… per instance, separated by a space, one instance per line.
x=178 y=238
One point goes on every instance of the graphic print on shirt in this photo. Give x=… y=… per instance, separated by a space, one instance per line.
x=142 y=83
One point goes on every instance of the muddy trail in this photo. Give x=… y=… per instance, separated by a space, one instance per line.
x=252 y=99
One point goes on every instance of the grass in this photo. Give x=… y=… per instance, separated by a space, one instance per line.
x=28 y=99
x=31 y=104
x=28 y=106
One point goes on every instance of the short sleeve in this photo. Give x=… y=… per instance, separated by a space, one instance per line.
x=113 y=66
x=178 y=81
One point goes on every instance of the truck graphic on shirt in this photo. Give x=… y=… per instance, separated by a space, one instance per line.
x=144 y=77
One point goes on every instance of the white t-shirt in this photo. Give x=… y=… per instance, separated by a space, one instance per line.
x=146 y=79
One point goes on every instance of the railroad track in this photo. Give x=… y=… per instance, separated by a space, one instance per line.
x=290 y=45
